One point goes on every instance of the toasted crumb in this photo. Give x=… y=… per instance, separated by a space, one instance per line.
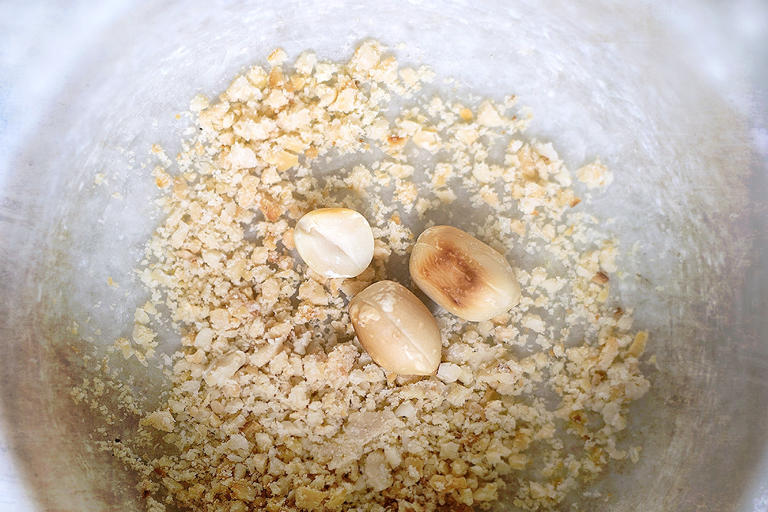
x=161 y=420
x=277 y=57
x=638 y=344
x=600 y=278
x=309 y=499
x=595 y=175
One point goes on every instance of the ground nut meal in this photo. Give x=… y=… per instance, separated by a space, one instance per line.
x=272 y=403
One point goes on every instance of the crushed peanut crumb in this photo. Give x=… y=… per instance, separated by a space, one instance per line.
x=273 y=405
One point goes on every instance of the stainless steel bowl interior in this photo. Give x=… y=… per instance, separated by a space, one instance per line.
x=672 y=98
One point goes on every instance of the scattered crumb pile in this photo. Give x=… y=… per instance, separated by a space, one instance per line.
x=273 y=405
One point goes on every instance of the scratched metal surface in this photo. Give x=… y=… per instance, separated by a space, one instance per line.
x=671 y=98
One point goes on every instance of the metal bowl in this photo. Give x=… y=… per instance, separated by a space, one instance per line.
x=672 y=98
